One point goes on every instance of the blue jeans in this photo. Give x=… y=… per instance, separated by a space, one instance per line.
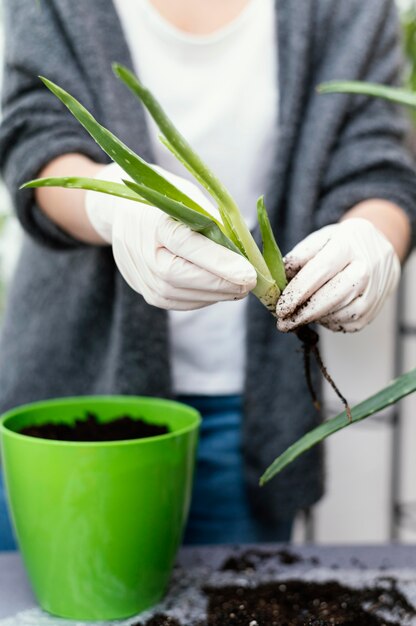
x=7 y=541
x=220 y=511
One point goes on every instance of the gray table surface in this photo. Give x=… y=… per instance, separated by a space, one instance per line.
x=15 y=593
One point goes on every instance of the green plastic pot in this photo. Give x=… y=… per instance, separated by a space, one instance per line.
x=99 y=524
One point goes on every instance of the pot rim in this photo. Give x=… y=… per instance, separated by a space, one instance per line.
x=106 y=399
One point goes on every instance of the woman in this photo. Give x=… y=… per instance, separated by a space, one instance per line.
x=107 y=299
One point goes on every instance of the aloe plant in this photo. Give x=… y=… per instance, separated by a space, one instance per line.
x=148 y=186
x=406 y=383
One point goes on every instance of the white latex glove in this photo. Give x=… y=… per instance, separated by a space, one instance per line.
x=340 y=275
x=170 y=265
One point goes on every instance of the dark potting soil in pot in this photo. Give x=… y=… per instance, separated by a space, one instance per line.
x=91 y=429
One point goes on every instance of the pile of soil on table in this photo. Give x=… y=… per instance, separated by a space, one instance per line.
x=300 y=603
x=91 y=429
x=295 y=602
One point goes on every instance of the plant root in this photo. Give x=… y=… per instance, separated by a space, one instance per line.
x=310 y=340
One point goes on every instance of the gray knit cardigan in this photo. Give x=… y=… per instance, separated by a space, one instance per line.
x=72 y=325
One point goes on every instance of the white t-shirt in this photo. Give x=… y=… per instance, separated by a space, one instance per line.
x=220 y=90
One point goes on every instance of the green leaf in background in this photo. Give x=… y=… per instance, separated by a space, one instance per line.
x=393 y=94
x=88 y=184
x=408 y=22
x=398 y=389
x=271 y=251
x=196 y=221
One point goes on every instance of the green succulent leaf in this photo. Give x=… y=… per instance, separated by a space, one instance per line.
x=398 y=389
x=88 y=184
x=271 y=251
x=393 y=94
x=196 y=221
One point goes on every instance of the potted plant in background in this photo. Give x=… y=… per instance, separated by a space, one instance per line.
x=99 y=522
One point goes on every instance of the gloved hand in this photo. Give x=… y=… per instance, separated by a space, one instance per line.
x=340 y=275
x=170 y=265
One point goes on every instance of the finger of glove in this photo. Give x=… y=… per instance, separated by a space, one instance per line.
x=180 y=273
x=346 y=327
x=365 y=307
x=127 y=265
x=352 y=317
x=305 y=250
x=206 y=254
x=167 y=291
x=172 y=304
x=330 y=260
x=138 y=271
x=337 y=293
x=176 y=305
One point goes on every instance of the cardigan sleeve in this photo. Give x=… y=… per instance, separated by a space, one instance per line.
x=36 y=127
x=369 y=158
